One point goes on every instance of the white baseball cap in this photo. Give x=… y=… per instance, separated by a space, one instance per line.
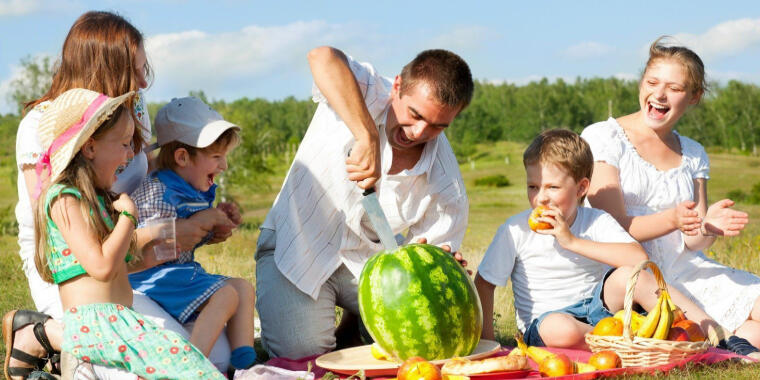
x=190 y=121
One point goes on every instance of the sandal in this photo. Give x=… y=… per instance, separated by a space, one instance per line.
x=15 y=320
x=737 y=345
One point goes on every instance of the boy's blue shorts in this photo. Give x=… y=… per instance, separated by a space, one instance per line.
x=590 y=310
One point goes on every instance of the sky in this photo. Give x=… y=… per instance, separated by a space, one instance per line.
x=257 y=49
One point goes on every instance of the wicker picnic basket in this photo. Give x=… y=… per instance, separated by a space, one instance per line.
x=636 y=351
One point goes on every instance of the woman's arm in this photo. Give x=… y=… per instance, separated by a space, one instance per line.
x=717 y=220
x=605 y=193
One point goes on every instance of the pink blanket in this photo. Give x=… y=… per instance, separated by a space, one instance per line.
x=713 y=355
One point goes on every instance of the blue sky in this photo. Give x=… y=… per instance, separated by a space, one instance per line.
x=256 y=49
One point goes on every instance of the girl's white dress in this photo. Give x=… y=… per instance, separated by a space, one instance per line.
x=726 y=294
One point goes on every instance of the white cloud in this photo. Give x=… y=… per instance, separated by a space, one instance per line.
x=725 y=39
x=462 y=38
x=196 y=59
x=19 y=7
x=587 y=50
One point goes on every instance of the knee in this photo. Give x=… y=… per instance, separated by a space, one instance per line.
x=562 y=330
x=245 y=290
x=226 y=297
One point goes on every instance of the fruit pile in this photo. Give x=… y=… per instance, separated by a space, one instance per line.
x=665 y=321
x=552 y=364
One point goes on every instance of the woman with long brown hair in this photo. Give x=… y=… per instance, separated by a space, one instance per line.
x=102 y=52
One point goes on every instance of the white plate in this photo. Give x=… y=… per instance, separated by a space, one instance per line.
x=350 y=360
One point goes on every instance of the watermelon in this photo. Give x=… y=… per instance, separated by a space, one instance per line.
x=418 y=301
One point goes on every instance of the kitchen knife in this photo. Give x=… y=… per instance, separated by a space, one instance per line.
x=378 y=219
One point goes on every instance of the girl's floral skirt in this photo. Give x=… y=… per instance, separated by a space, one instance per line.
x=116 y=336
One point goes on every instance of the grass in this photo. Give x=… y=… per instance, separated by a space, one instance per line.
x=489 y=207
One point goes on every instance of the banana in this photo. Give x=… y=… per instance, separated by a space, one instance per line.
x=536 y=353
x=581 y=367
x=636 y=320
x=666 y=318
x=516 y=352
x=649 y=325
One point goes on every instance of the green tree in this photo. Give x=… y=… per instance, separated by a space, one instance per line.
x=33 y=82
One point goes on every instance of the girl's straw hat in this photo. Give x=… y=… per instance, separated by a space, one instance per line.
x=68 y=122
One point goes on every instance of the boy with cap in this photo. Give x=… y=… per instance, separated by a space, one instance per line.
x=195 y=141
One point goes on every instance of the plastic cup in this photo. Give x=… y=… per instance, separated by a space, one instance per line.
x=166 y=238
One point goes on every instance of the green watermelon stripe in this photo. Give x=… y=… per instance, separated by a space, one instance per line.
x=418 y=301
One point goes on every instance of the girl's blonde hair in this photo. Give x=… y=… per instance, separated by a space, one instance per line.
x=695 y=69
x=80 y=175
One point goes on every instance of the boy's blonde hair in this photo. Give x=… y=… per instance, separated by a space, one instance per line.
x=563 y=148
x=80 y=175
x=229 y=139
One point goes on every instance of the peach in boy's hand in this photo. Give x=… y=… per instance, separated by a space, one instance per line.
x=534 y=219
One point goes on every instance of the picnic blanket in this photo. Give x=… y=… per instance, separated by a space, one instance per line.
x=713 y=355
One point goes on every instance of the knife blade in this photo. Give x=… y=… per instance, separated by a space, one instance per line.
x=378 y=219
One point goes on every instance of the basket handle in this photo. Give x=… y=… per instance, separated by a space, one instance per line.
x=629 y=288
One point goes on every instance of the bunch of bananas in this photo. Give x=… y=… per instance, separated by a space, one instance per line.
x=657 y=323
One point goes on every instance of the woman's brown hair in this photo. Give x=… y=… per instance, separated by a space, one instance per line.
x=99 y=54
x=661 y=49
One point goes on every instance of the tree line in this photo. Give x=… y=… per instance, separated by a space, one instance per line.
x=728 y=117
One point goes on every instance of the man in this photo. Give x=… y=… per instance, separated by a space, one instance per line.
x=368 y=131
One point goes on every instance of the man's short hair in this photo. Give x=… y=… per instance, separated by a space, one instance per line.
x=446 y=73
x=564 y=148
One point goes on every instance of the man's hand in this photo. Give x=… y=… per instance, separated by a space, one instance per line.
x=363 y=162
x=457 y=255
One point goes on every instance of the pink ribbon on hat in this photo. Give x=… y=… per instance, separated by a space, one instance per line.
x=44 y=161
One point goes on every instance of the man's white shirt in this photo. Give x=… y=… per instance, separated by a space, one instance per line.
x=318 y=217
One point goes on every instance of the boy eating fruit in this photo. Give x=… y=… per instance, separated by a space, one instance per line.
x=559 y=255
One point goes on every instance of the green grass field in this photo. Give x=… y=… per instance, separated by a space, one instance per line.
x=489 y=207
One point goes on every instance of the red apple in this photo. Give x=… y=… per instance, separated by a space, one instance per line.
x=678 y=334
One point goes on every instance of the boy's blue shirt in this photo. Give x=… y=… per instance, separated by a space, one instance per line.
x=186 y=199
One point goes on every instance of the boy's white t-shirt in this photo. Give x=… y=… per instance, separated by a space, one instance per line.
x=545 y=276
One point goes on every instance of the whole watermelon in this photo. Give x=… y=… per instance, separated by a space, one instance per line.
x=418 y=301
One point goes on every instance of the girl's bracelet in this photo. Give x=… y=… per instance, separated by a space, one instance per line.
x=130 y=216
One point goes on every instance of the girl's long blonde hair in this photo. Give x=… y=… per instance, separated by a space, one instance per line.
x=80 y=175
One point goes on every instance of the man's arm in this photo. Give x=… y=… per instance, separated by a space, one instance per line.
x=333 y=77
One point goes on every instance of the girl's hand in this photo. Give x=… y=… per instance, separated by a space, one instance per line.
x=561 y=231
x=721 y=220
x=125 y=203
x=686 y=219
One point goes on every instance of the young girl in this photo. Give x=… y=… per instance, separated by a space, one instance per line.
x=654 y=182
x=88 y=138
x=102 y=52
